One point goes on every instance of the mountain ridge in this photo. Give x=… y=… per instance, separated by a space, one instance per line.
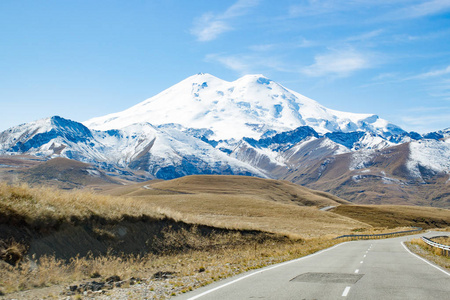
x=247 y=107
x=303 y=154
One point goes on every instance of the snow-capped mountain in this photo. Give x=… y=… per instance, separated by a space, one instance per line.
x=164 y=152
x=251 y=126
x=252 y=106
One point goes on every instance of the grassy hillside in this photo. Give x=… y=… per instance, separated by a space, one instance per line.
x=276 y=190
x=384 y=179
x=241 y=202
x=90 y=235
x=198 y=229
x=58 y=172
x=396 y=215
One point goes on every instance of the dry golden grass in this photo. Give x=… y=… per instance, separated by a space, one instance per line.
x=41 y=204
x=391 y=216
x=436 y=255
x=250 y=212
x=380 y=230
x=274 y=190
x=240 y=202
x=442 y=240
x=432 y=253
x=231 y=202
x=43 y=207
x=190 y=270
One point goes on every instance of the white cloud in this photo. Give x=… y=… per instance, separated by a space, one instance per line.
x=239 y=8
x=425 y=121
x=404 y=9
x=338 y=62
x=313 y=7
x=250 y=63
x=263 y=47
x=209 y=26
x=425 y=8
x=434 y=73
x=298 y=43
x=234 y=63
x=365 y=36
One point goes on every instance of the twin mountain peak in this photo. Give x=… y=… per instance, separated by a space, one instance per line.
x=251 y=126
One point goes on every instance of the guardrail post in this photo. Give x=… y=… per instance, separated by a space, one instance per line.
x=444 y=248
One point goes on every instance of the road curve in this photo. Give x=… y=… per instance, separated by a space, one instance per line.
x=369 y=269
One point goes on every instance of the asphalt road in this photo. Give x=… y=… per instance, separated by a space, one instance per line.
x=372 y=269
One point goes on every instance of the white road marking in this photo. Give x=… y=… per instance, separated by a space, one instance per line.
x=357 y=271
x=436 y=267
x=345 y=293
x=365 y=255
x=263 y=270
x=361 y=262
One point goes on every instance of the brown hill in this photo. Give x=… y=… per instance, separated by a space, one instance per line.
x=384 y=179
x=275 y=190
x=64 y=173
x=243 y=203
x=396 y=215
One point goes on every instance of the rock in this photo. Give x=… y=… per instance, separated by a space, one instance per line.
x=73 y=288
x=163 y=275
x=113 y=278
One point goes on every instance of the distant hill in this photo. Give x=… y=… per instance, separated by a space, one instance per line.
x=275 y=190
x=59 y=172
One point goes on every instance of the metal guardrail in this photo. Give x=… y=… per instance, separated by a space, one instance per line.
x=445 y=248
x=379 y=235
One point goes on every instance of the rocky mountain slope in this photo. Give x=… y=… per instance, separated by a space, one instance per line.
x=252 y=126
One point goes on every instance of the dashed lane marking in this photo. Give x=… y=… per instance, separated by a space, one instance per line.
x=345 y=293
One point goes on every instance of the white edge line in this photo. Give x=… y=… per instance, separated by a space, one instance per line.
x=345 y=293
x=262 y=270
x=434 y=266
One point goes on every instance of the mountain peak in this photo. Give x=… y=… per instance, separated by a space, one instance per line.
x=246 y=107
x=201 y=77
x=254 y=78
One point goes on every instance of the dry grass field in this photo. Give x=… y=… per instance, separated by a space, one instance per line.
x=46 y=219
x=391 y=216
x=198 y=228
x=239 y=202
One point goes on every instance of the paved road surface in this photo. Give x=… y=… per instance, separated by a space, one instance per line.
x=372 y=269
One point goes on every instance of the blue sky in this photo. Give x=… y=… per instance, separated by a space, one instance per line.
x=81 y=58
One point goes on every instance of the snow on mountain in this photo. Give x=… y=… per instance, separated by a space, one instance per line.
x=361 y=159
x=165 y=152
x=430 y=154
x=248 y=107
x=48 y=137
x=251 y=126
